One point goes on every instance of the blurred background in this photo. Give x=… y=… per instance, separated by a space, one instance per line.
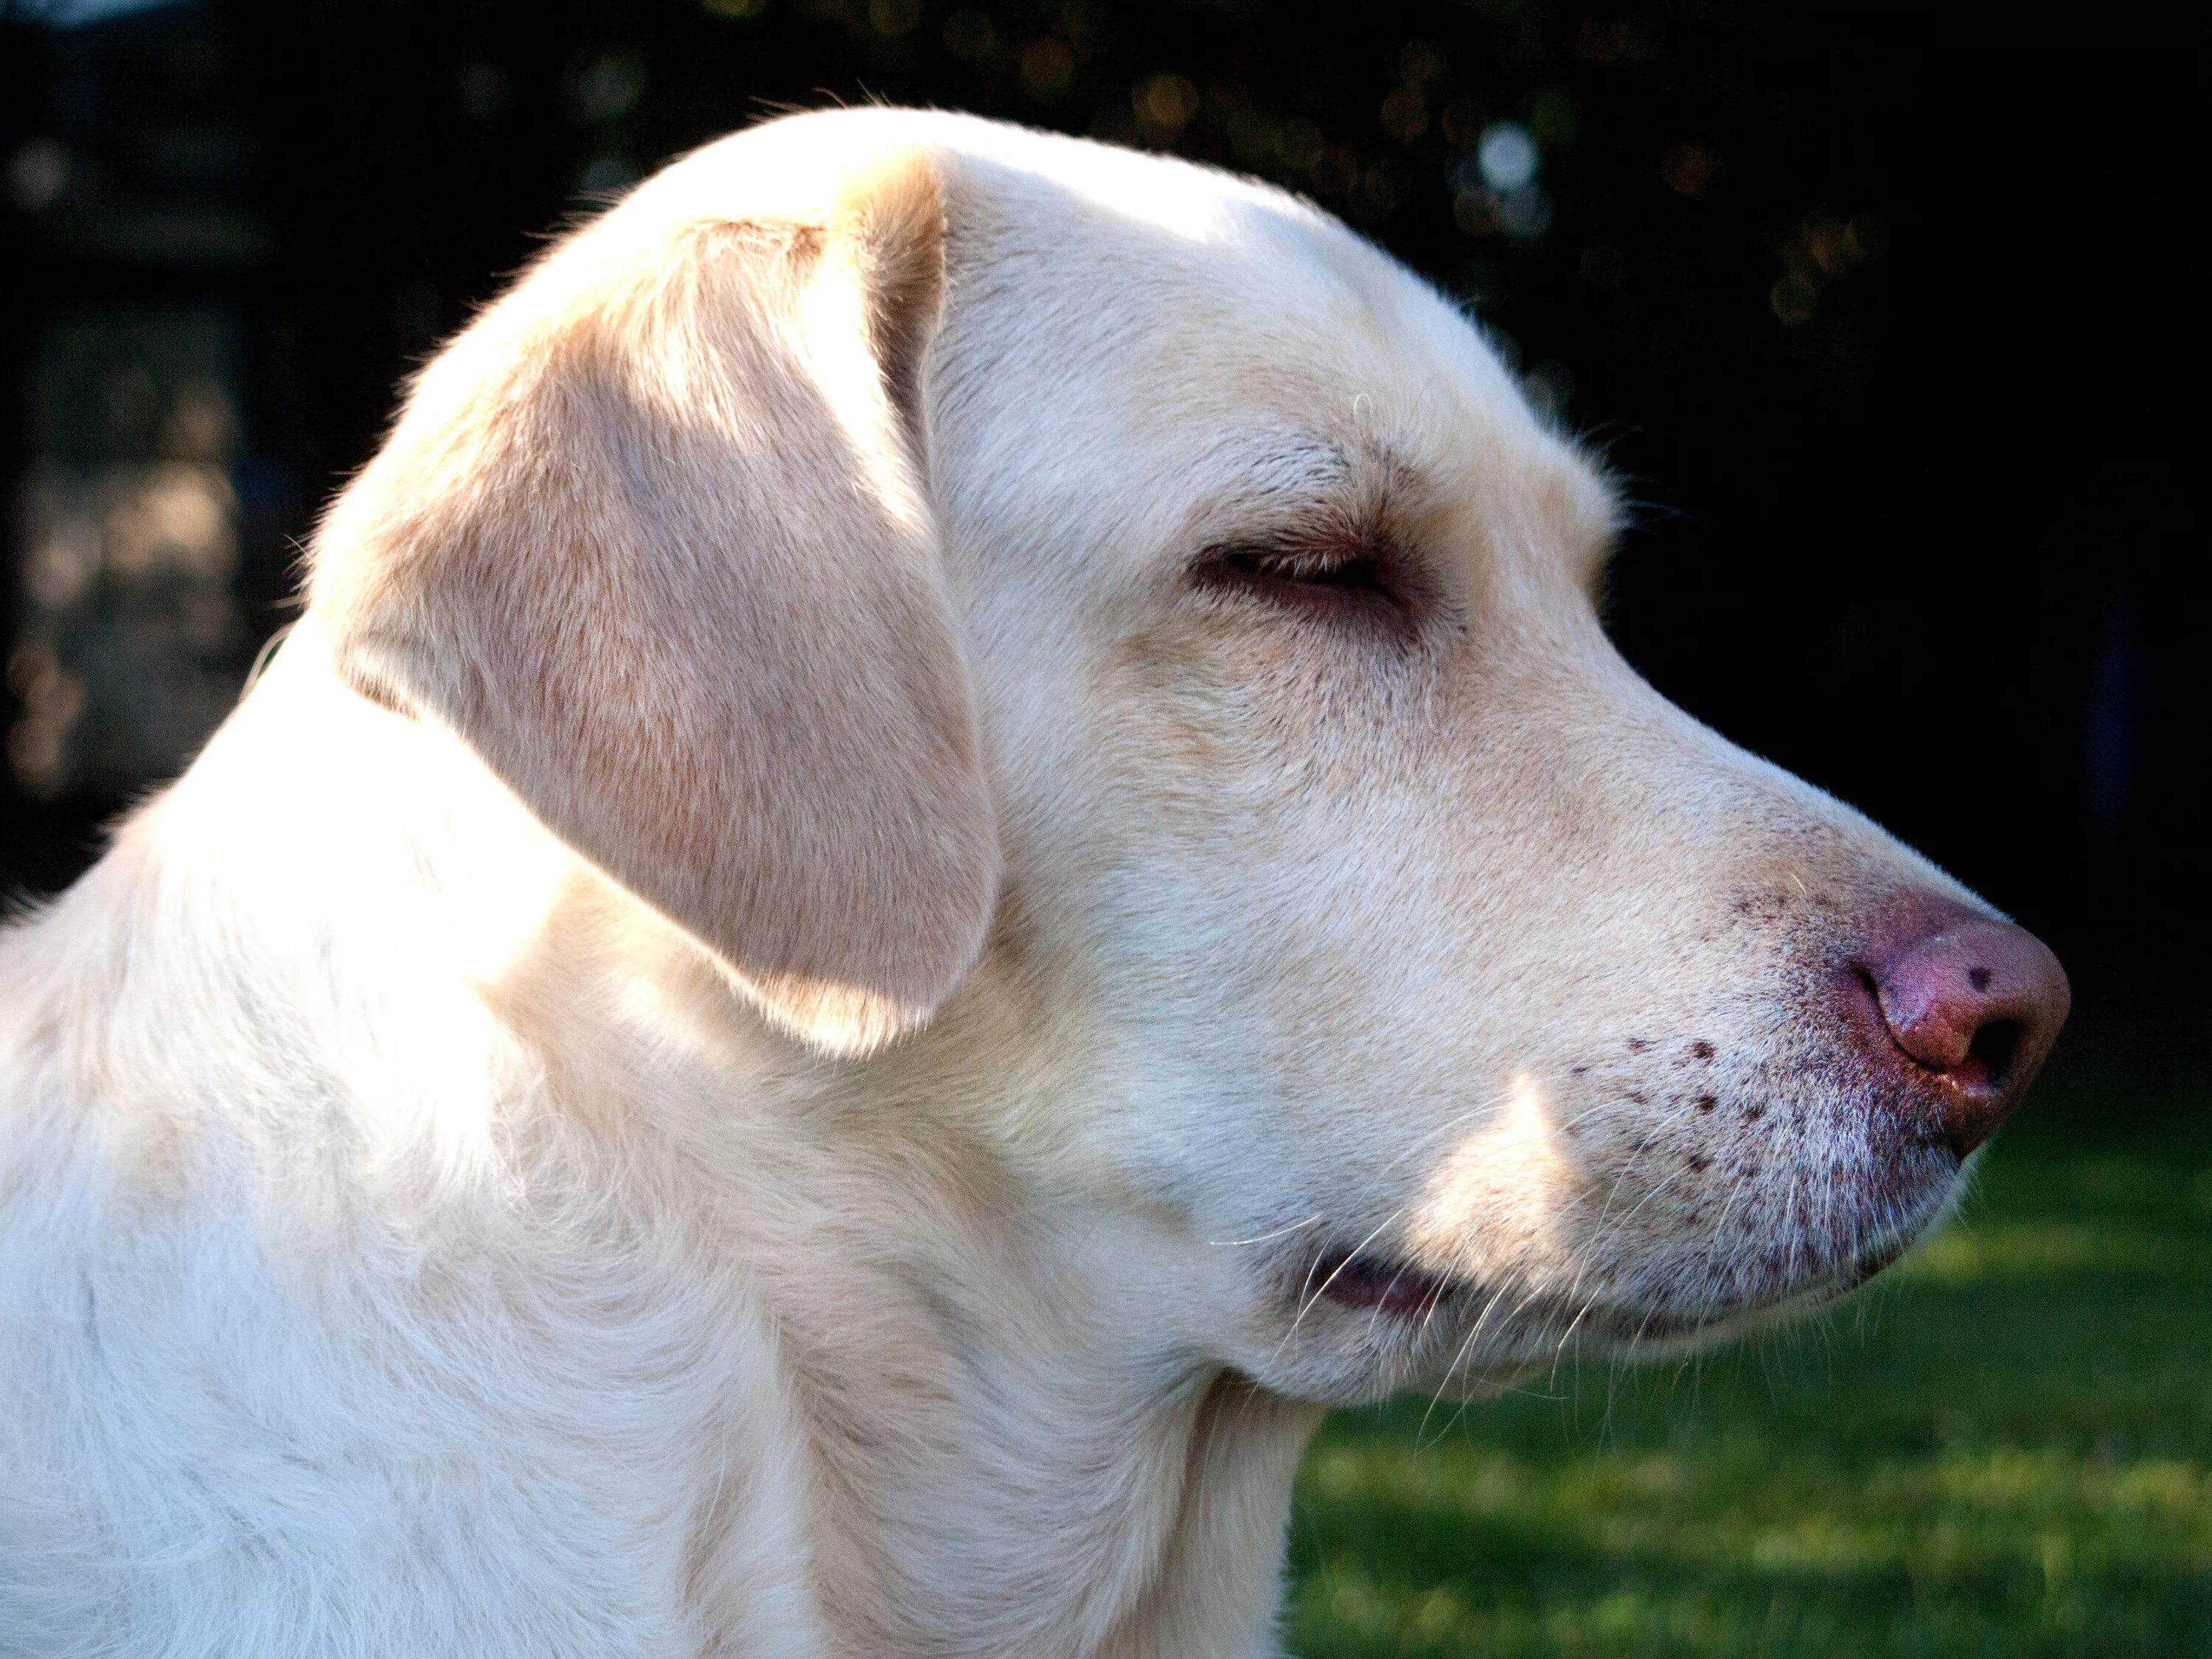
x=1883 y=314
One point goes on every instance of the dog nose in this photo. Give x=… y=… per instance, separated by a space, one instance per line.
x=1977 y=1002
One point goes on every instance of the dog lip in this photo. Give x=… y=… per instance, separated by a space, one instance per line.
x=1377 y=1284
x=1381 y=1285
x=1394 y=1289
x=1390 y=1288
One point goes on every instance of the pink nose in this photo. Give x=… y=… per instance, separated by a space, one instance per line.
x=1978 y=1003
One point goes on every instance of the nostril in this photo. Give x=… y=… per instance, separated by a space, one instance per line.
x=1991 y=1057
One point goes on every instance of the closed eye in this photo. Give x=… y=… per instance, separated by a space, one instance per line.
x=1347 y=583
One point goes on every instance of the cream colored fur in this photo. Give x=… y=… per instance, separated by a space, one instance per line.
x=760 y=1038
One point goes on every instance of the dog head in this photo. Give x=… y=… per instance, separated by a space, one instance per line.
x=1105 y=611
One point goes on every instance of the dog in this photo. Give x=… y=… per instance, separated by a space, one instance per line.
x=948 y=838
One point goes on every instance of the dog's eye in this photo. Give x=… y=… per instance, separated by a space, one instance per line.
x=1347 y=582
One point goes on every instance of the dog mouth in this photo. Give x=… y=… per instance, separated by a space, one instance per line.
x=1377 y=1284
x=1389 y=1289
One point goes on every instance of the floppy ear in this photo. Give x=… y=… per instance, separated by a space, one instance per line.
x=651 y=537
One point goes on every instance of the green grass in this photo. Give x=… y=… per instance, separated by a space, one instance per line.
x=2003 y=1448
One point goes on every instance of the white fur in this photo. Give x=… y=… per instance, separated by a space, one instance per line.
x=413 y=1242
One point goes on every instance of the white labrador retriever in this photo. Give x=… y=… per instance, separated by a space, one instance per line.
x=950 y=837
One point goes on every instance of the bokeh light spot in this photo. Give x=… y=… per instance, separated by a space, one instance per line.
x=1507 y=156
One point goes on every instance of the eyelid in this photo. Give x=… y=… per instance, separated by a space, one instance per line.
x=1298 y=560
x=1322 y=542
x=1287 y=558
x=1337 y=579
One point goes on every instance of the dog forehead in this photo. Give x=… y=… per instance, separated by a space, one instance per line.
x=1170 y=281
x=1118 y=319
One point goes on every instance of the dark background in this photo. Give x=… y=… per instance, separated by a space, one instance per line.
x=1885 y=316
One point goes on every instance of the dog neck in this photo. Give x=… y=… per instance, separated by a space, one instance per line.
x=971 y=1433
x=1006 y=1452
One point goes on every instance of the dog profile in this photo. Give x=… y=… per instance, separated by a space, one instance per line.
x=949 y=838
